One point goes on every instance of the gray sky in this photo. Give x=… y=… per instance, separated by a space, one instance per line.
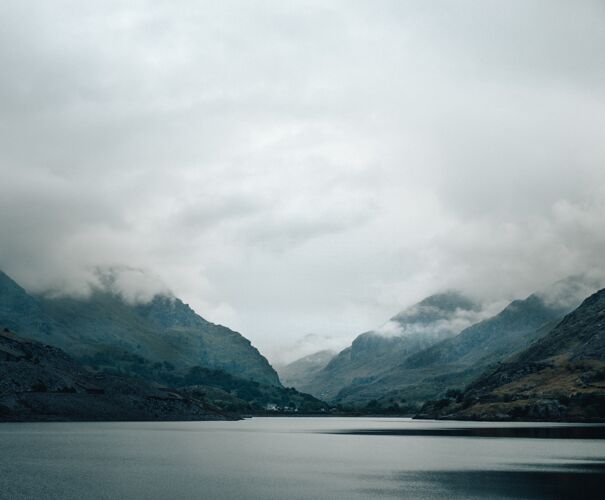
x=295 y=168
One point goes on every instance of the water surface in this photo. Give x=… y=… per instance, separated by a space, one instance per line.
x=301 y=458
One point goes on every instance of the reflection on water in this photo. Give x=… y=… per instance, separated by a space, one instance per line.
x=301 y=458
x=543 y=484
x=554 y=432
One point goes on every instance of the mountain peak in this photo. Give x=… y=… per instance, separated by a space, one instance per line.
x=168 y=311
x=568 y=293
x=133 y=285
x=449 y=300
x=439 y=306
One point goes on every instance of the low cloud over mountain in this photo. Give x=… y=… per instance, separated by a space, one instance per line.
x=296 y=167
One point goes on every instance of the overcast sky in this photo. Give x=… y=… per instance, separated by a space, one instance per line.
x=294 y=168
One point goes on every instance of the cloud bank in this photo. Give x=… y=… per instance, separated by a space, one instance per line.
x=289 y=167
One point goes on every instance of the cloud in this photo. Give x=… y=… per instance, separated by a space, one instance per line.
x=135 y=286
x=437 y=320
x=436 y=329
x=302 y=166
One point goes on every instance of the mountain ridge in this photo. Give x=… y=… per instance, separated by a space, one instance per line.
x=560 y=376
x=372 y=353
x=409 y=379
x=456 y=361
x=103 y=326
x=300 y=371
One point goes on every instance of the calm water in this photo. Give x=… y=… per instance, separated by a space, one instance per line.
x=310 y=458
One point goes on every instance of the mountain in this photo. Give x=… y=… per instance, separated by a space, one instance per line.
x=560 y=376
x=301 y=372
x=105 y=331
x=40 y=382
x=490 y=339
x=454 y=362
x=373 y=353
x=508 y=331
x=144 y=346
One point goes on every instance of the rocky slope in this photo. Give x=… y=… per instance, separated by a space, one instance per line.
x=561 y=376
x=373 y=353
x=42 y=383
x=105 y=331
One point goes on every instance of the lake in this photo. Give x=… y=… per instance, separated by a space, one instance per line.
x=301 y=458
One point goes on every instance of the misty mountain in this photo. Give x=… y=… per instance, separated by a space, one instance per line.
x=40 y=382
x=373 y=353
x=456 y=361
x=135 y=348
x=300 y=372
x=560 y=376
x=104 y=331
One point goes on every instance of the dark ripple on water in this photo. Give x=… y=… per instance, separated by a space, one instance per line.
x=561 y=481
x=555 y=432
